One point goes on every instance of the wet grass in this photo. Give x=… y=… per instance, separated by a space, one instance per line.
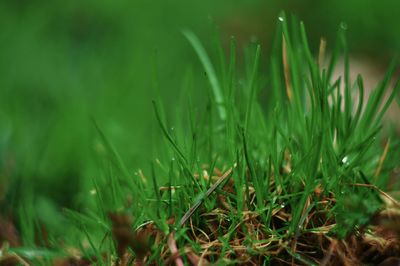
x=283 y=164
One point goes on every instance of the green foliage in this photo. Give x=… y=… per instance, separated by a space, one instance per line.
x=312 y=130
x=303 y=135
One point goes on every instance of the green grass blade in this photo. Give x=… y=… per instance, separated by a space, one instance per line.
x=208 y=67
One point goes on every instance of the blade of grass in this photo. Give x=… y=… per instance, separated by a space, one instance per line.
x=212 y=77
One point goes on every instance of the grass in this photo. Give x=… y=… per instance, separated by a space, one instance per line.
x=278 y=166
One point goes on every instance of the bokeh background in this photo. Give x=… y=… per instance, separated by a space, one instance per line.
x=65 y=64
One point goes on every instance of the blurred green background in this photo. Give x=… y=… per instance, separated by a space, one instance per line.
x=63 y=64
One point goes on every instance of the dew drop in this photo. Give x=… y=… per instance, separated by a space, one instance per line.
x=282 y=205
x=300 y=227
x=345 y=160
x=280 y=18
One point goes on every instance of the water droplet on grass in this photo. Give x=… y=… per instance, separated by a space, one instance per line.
x=280 y=18
x=299 y=227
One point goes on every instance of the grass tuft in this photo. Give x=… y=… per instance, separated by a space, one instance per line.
x=298 y=177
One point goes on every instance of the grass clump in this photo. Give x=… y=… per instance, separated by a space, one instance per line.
x=282 y=165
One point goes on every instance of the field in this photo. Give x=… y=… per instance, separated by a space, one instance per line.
x=199 y=134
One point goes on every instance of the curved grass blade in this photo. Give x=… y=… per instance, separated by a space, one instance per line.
x=208 y=67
